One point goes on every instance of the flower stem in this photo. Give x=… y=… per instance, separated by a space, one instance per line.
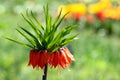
x=45 y=73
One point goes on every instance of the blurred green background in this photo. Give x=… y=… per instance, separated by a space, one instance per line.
x=97 y=56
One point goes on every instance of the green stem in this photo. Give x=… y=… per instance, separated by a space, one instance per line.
x=45 y=73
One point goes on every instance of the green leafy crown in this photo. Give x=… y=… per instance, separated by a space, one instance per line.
x=49 y=37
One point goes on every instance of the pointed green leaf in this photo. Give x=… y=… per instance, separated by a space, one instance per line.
x=68 y=40
x=20 y=43
x=32 y=14
x=57 y=18
x=60 y=20
x=30 y=34
x=29 y=40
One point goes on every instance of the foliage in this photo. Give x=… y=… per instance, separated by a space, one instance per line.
x=45 y=38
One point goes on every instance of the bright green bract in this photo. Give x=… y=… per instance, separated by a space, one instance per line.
x=47 y=37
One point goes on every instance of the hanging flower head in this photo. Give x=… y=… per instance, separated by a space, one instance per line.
x=47 y=42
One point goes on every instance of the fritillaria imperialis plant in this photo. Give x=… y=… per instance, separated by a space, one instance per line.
x=47 y=42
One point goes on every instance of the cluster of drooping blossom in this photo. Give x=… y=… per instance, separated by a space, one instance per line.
x=61 y=57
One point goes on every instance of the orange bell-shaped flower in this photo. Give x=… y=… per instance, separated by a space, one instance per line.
x=61 y=58
x=38 y=58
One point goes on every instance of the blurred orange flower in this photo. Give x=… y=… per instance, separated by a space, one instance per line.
x=99 y=6
x=75 y=10
x=113 y=13
x=89 y=18
x=104 y=9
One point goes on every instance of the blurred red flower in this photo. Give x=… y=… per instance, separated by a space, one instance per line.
x=100 y=16
x=77 y=16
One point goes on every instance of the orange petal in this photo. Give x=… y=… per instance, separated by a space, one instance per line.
x=63 y=60
x=68 y=54
x=55 y=59
x=50 y=58
x=41 y=59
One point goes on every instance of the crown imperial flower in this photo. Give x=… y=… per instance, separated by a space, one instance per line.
x=47 y=42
